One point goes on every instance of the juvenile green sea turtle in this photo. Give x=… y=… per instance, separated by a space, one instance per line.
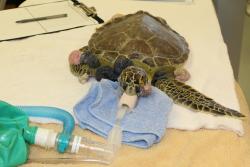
x=140 y=50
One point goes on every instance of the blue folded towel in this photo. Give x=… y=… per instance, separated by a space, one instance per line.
x=142 y=127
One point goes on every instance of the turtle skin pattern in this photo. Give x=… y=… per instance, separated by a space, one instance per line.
x=187 y=96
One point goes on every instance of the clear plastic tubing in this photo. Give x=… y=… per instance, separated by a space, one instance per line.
x=80 y=148
x=91 y=151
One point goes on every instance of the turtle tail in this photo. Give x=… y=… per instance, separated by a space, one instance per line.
x=191 y=98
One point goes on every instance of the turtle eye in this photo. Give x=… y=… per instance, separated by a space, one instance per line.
x=90 y=59
x=138 y=90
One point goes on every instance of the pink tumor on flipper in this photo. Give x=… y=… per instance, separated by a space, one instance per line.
x=182 y=75
x=146 y=90
x=74 y=57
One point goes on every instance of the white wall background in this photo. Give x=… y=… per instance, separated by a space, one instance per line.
x=231 y=17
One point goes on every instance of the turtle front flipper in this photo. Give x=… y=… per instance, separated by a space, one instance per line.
x=191 y=98
x=83 y=63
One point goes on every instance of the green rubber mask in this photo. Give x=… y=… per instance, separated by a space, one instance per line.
x=13 y=149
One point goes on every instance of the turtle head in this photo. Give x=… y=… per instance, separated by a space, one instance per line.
x=80 y=65
x=134 y=81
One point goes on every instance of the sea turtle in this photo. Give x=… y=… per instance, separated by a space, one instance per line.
x=140 y=49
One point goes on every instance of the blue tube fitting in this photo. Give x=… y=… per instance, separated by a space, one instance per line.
x=54 y=113
x=29 y=134
x=63 y=142
x=58 y=114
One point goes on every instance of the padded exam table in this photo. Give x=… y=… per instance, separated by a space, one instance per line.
x=34 y=71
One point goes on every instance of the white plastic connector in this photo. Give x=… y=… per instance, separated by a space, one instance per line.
x=128 y=100
x=45 y=138
x=76 y=144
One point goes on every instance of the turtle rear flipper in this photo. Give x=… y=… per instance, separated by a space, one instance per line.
x=187 y=96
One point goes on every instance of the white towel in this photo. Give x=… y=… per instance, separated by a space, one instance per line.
x=35 y=71
x=213 y=76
